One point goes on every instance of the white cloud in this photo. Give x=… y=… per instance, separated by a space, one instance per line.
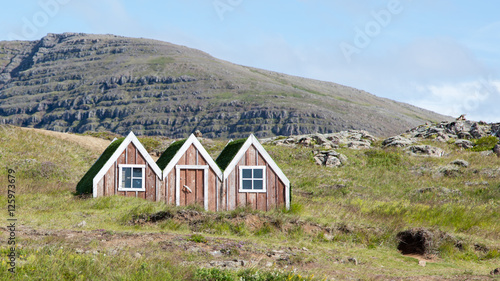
x=478 y=99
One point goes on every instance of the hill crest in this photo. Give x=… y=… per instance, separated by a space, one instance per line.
x=76 y=82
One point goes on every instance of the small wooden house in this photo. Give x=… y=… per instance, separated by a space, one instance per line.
x=251 y=177
x=124 y=168
x=185 y=174
x=190 y=175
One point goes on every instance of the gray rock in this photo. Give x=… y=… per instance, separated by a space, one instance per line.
x=460 y=163
x=496 y=150
x=329 y=158
x=470 y=183
x=449 y=171
x=81 y=224
x=425 y=150
x=465 y=144
x=486 y=153
x=358 y=144
x=353 y=260
x=397 y=141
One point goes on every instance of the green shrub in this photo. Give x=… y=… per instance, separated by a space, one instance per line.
x=198 y=238
x=485 y=143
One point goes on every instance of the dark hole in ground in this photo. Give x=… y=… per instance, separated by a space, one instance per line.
x=413 y=242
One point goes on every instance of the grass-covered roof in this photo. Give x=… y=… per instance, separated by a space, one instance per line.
x=228 y=153
x=85 y=184
x=169 y=153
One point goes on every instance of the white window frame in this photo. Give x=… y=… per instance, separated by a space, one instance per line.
x=264 y=179
x=120 y=168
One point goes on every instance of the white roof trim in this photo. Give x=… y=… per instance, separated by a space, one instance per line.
x=253 y=140
x=194 y=141
x=131 y=138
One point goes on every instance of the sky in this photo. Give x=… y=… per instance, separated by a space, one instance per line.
x=441 y=55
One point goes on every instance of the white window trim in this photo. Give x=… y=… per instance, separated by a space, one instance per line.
x=264 y=179
x=143 y=167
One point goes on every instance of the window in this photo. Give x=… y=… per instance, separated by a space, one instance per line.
x=131 y=178
x=252 y=179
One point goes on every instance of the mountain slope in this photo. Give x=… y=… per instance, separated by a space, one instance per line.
x=79 y=82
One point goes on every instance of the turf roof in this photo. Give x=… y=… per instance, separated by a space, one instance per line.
x=86 y=183
x=169 y=153
x=228 y=153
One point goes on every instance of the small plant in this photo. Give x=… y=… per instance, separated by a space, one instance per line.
x=485 y=143
x=382 y=158
x=264 y=230
x=210 y=274
x=295 y=208
x=198 y=238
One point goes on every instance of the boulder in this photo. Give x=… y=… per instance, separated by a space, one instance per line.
x=397 y=141
x=329 y=158
x=449 y=170
x=425 y=150
x=358 y=144
x=496 y=150
x=460 y=163
x=465 y=144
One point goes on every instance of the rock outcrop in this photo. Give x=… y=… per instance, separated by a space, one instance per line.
x=354 y=139
x=330 y=158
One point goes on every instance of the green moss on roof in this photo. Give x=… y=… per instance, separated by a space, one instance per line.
x=228 y=153
x=85 y=184
x=169 y=153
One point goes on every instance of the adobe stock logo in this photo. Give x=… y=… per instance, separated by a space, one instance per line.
x=363 y=37
x=224 y=6
x=32 y=25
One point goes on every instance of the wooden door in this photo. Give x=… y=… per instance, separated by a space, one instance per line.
x=192 y=188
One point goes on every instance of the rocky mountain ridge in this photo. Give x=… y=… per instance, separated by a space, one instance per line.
x=76 y=82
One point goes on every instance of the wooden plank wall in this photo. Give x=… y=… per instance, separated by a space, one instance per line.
x=275 y=195
x=108 y=185
x=193 y=157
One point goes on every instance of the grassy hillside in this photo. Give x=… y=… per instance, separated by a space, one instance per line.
x=343 y=222
x=83 y=82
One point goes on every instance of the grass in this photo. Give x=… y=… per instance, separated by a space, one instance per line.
x=353 y=211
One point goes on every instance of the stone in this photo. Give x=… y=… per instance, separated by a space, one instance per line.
x=306 y=141
x=422 y=263
x=329 y=158
x=397 y=141
x=137 y=255
x=496 y=150
x=216 y=254
x=486 y=153
x=358 y=144
x=425 y=150
x=465 y=144
x=460 y=163
x=81 y=224
x=470 y=183
x=353 y=260
x=449 y=170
